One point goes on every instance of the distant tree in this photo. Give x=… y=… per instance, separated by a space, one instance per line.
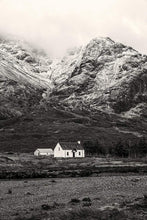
x=93 y=147
x=142 y=147
x=139 y=148
x=121 y=150
x=111 y=150
x=128 y=144
x=134 y=150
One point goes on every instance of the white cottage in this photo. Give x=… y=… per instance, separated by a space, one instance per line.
x=69 y=149
x=43 y=152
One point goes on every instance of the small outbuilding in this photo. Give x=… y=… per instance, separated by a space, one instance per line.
x=69 y=150
x=43 y=152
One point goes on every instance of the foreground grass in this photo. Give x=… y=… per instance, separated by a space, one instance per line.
x=81 y=214
x=94 y=214
x=109 y=197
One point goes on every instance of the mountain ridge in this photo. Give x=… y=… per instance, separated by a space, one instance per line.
x=101 y=68
x=99 y=89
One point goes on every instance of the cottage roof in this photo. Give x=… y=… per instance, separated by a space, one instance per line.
x=71 y=146
x=45 y=150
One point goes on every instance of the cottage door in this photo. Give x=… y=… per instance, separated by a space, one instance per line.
x=73 y=153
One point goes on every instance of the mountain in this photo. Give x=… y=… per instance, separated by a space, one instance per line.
x=104 y=75
x=22 y=77
x=99 y=89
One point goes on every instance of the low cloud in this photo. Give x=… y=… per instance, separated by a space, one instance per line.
x=56 y=25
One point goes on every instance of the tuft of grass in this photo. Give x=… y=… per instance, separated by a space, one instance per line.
x=54 y=205
x=97 y=198
x=28 y=194
x=86 y=199
x=75 y=200
x=46 y=207
x=9 y=191
x=90 y=214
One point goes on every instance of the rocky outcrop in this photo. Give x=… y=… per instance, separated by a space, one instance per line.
x=103 y=75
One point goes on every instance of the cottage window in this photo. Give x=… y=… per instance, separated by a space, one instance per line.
x=67 y=153
x=79 y=153
x=59 y=149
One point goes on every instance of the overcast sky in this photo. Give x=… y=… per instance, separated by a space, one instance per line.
x=56 y=25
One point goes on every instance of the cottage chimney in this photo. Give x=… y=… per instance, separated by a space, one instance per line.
x=79 y=142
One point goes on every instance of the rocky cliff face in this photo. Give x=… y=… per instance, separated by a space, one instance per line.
x=99 y=89
x=103 y=75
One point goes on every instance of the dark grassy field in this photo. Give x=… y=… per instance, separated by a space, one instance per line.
x=44 y=128
x=104 y=198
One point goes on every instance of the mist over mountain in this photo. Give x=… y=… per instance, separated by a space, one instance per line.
x=95 y=92
x=58 y=25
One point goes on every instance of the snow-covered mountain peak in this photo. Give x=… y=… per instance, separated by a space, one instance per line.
x=100 y=72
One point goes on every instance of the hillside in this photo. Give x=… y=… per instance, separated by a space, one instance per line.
x=96 y=92
x=22 y=77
